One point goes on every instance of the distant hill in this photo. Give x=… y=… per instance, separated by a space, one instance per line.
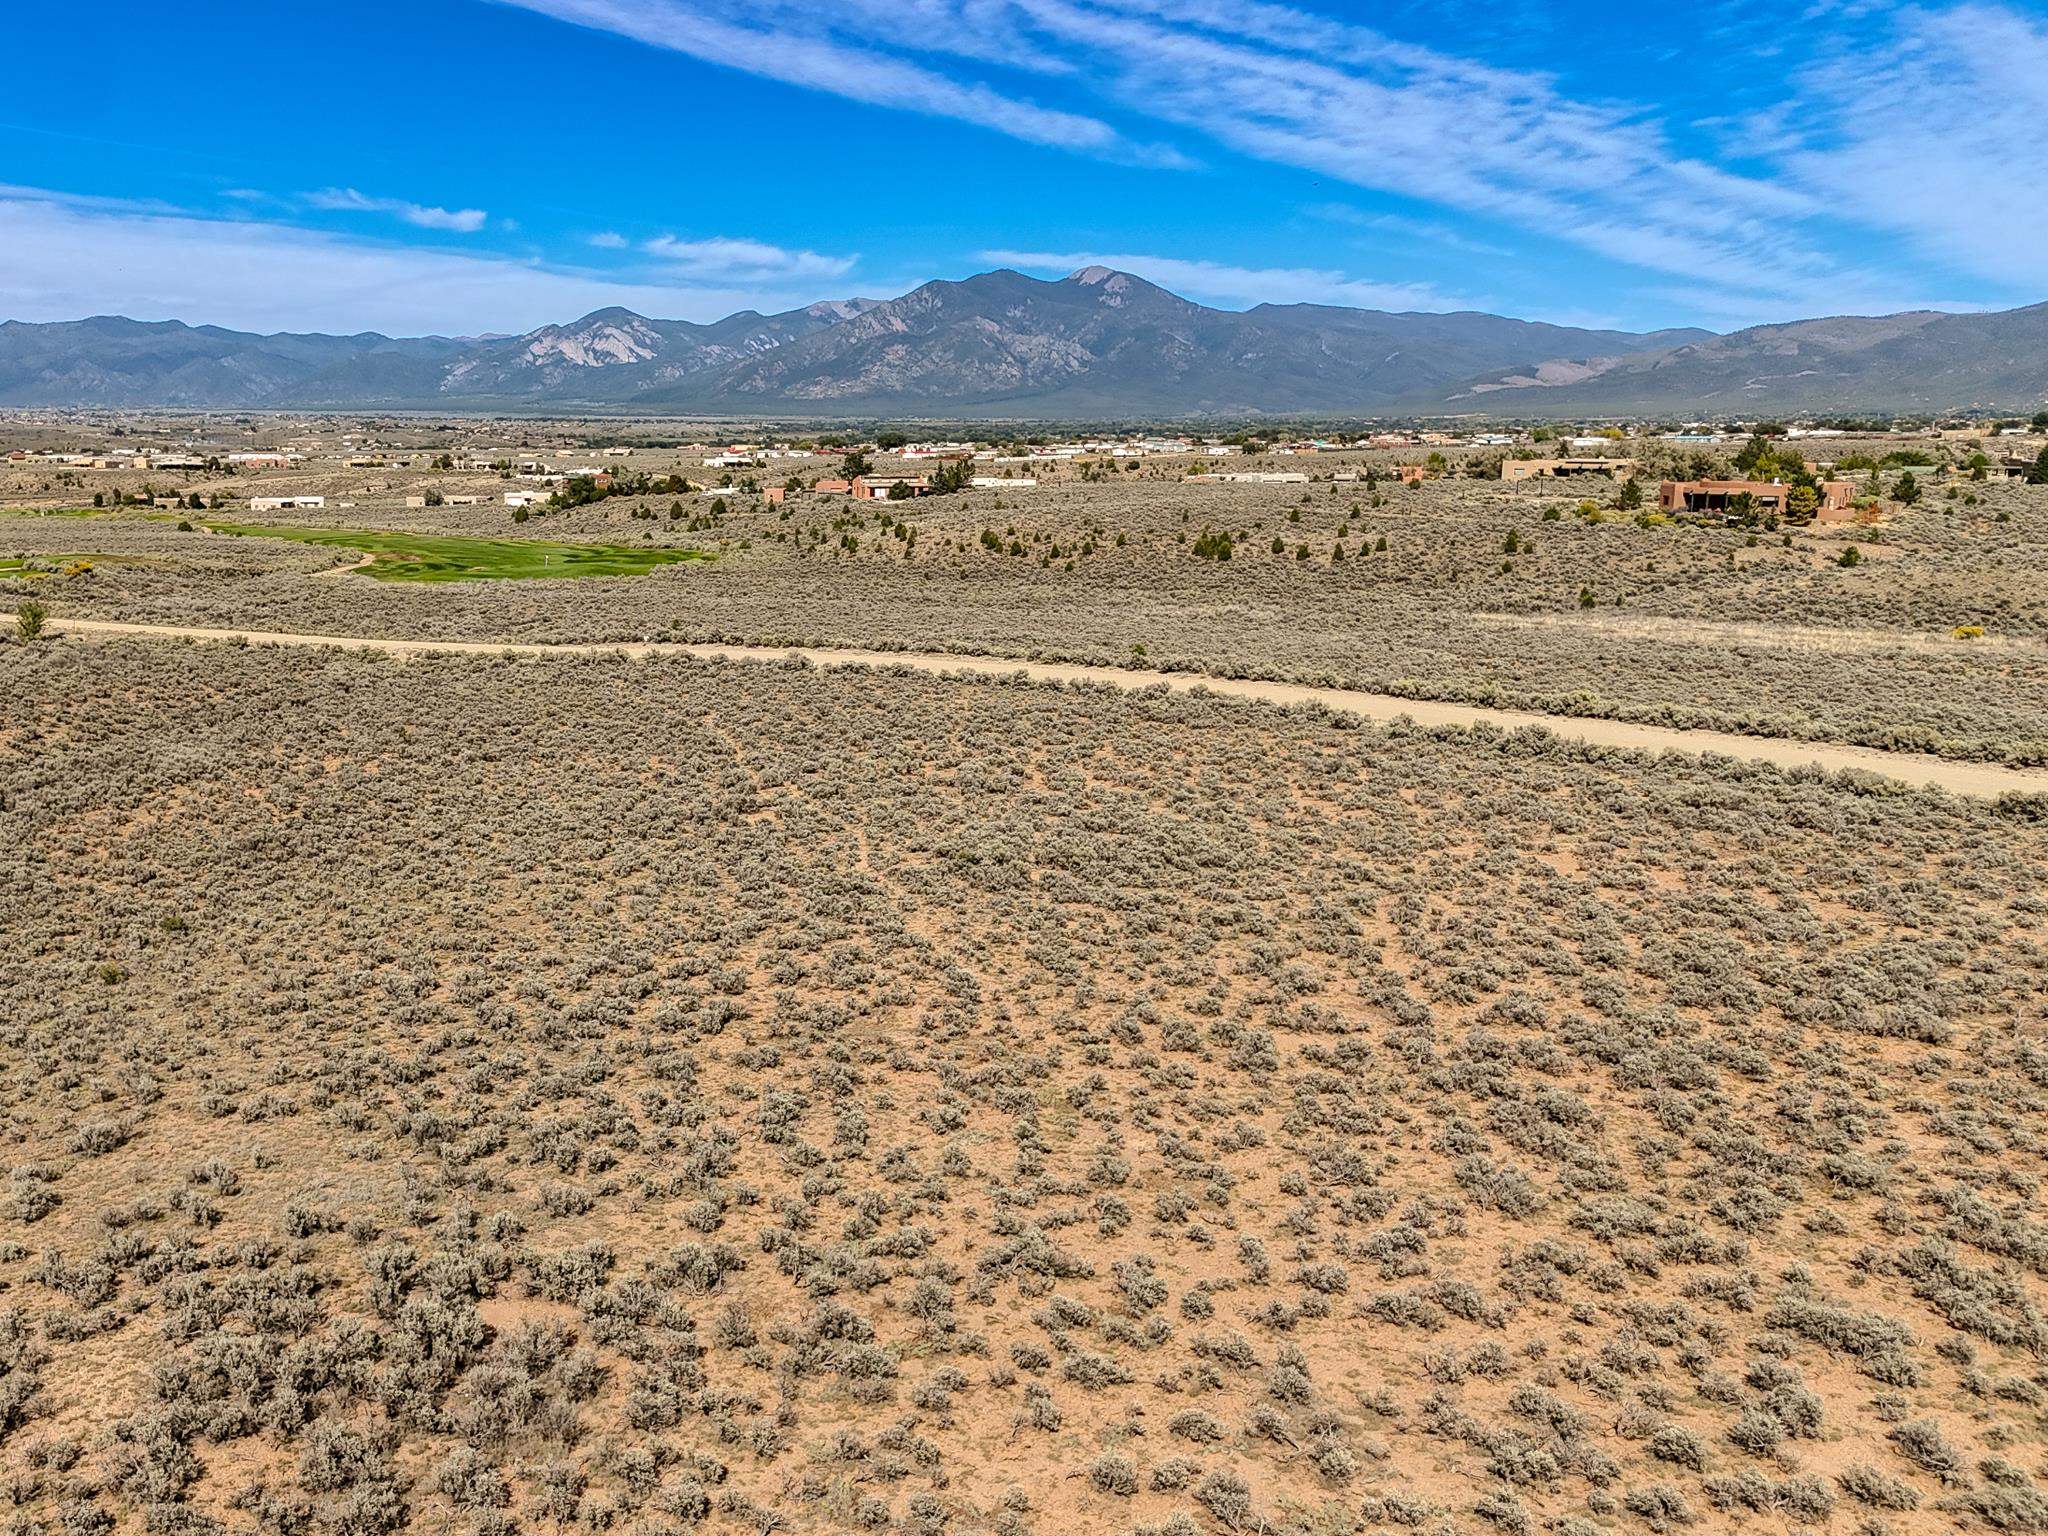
x=1919 y=361
x=1096 y=343
x=108 y=360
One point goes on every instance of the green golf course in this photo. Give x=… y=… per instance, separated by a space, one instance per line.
x=438 y=557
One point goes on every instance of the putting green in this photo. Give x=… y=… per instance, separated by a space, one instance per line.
x=434 y=557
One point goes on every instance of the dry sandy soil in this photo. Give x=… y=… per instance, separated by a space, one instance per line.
x=558 y=1093
x=479 y=1095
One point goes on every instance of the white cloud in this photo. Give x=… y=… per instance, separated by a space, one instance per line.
x=61 y=258
x=1407 y=230
x=800 y=45
x=1286 y=86
x=609 y=240
x=1228 y=285
x=464 y=221
x=1943 y=143
x=730 y=258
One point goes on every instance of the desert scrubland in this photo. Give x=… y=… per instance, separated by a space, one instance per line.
x=1462 y=589
x=502 y=1094
x=482 y=1094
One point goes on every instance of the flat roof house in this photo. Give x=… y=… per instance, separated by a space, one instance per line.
x=1709 y=498
x=878 y=487
x=1558 y=469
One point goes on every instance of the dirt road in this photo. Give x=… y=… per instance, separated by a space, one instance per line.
x=1977 y=779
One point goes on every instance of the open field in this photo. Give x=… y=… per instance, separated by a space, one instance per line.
x=1909 y=768
x=1714 y=628
x=751 y=1098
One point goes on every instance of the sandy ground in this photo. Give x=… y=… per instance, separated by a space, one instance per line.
x=1976 y=779
x=1780 y=636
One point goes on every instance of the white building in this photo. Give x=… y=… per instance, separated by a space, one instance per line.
x=284 y=503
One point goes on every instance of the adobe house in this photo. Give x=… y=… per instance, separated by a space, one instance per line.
x=878 y=487
x=1559 y=469
x=1709 y=498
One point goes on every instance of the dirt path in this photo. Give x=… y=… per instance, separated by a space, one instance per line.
x=333 y=571
x=1978 y=779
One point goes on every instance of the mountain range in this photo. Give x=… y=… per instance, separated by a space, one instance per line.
x=1098 y=343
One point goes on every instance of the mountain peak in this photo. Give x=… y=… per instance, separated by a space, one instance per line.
x=614 y=314
x=601 y=339
x=1090 y=277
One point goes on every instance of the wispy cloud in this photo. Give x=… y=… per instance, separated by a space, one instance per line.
x=1413 y=231
x=1944 y=145
x=746 y=259
x=1228 y=285
x=463 y=221
x=62 y=257
x=808 y=45
x=1282 y=85
x=609 y=240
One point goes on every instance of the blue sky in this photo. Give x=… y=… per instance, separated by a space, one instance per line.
x=467 y=166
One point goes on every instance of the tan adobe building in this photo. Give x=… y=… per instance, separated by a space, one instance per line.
x=1557 y=469
x=1708 y=497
